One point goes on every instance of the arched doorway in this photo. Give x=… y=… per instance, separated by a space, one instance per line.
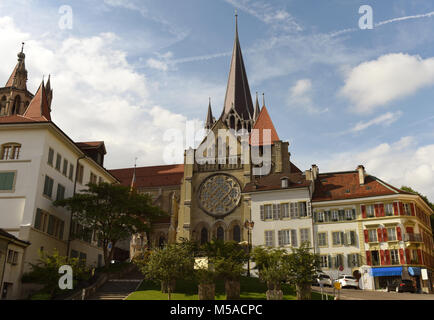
x=236 y=233
x=220 y=234
x=204 y=235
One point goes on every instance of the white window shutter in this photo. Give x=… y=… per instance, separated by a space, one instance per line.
x=262 y=213
x=309 y=209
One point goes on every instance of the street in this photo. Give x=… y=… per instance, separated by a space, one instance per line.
x=353 y=294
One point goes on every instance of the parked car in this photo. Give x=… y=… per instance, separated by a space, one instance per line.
x=348 y=281
x=399 y=285
x=323 y=279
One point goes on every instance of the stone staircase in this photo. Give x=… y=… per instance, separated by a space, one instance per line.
x=118 y=289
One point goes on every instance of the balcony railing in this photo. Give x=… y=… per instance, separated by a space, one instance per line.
x=413 y=237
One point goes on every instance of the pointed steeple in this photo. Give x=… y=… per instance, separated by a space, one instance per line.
x=38 y=108
x=263 y=122
x=49 y=92
x=238 y=91
x=18 y=78
x=209 y=117
x=257 y=108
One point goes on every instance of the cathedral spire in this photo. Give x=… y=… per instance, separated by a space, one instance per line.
x=49 y=92
x=238 y=91
x=257 y=108
x=18 y=78
x=38 y=107
x=209 y=117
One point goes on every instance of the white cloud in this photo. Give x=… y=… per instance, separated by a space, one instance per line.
x=399 y=163
x=300 y=96
x=376 y=83
x=97 y=94
x=384 y=119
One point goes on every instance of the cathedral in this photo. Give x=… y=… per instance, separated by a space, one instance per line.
x=205 y=200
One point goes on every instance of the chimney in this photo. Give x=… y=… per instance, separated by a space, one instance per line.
x=308 y=174
x=362 y=174
x=315 y=171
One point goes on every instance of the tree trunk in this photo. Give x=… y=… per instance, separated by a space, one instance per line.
x=165 y=287
x=304 y=291
x=232 y=288
x=274 y=295
x=206 y=291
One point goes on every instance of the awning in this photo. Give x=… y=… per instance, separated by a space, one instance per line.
x=414 y=271
x=381 y=272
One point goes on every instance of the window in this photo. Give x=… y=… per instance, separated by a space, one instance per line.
x=338 y=261
x=391 y=234
x=48 y=186
x=12 y=257
x=388 y=209
x=323 y=262
x=353 y=260
x=7 y=181
x=100 y=180
x=269 y=238
x=372 y=233
x=50 y=156
x=284 y=210
x=370 y=212
x=204 y=236
x=74 y=253
x=394 y=256
x=335 y=215
x=321 y=216
x=294 y=238
x=220 y=234
x=41 y=220
x=375 y=258
x=304 y=236
x=71 y=171
x=58 y=162
x=60 y=192
x=341 y=215
x=284 y=237
x=322 y=239
x=83 y=258
x=350 y=238
x=10 y=151
x=294 y=210
x=350 y=214
x=65 y=167
x=338 y=238
x=80 y=171
x=407 y=209
x=302 y=209
x=266 y=212
x=55 y=227
x=236 y=233
x=93 y=178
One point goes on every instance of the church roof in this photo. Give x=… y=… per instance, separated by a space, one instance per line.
x=18 y=72
x=262 y=123
x=38 y=107
x=153 y=176
x=273 y=182
x=238 y=91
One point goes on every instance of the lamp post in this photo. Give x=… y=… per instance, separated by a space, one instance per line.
x=249 y=226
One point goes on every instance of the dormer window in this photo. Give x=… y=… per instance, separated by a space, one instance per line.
x=284 y=182
x=10 y=151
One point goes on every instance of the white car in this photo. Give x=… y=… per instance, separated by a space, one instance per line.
x=324 y=279
x=348 y=281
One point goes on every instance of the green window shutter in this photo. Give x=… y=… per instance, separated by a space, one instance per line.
x=329 y=261
x=50 y=229
x=50 y=156
x=7 y=181
x=279 y=236
x=38 y=219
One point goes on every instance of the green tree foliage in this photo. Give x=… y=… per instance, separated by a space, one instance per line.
x=272 y=265
x=46 y=271
x=113 y=212
x=168 y=264
x=302 y=266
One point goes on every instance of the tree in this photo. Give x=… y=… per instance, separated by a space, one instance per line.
x=228 y=259
x=46 y=271
x=168 y=264
x=302 y=267
x=424 y=198
x=113 y=212
x=272 y=269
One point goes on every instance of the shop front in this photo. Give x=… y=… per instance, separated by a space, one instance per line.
x=383 y=276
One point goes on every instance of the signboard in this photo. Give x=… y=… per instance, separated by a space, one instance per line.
x=338 y=285
x=341 y=268
x=424 y=274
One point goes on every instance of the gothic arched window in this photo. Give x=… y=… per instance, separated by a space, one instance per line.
x=236 y=233
x=16 y=105
x=203 y=236
x=220 y=234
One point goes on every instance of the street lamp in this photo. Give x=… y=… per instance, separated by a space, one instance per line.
x=249 y=226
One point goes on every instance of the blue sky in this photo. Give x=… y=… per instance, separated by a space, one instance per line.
x=129 y=70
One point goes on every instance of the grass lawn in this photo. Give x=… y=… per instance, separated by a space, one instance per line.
x=251 y=289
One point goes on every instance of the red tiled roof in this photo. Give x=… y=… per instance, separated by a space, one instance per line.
x=155 y=176
x=345 y=185
x=263 y=122
x=11 y=78
x=38 y=108
x=19 y=119
x=273 y=182
x=91 y=145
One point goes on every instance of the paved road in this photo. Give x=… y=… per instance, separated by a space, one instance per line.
x=118 y=289
x=353 y=294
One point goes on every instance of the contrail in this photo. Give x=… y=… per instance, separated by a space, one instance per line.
x=425 y=15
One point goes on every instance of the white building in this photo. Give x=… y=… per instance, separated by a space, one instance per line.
x=39 y=163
